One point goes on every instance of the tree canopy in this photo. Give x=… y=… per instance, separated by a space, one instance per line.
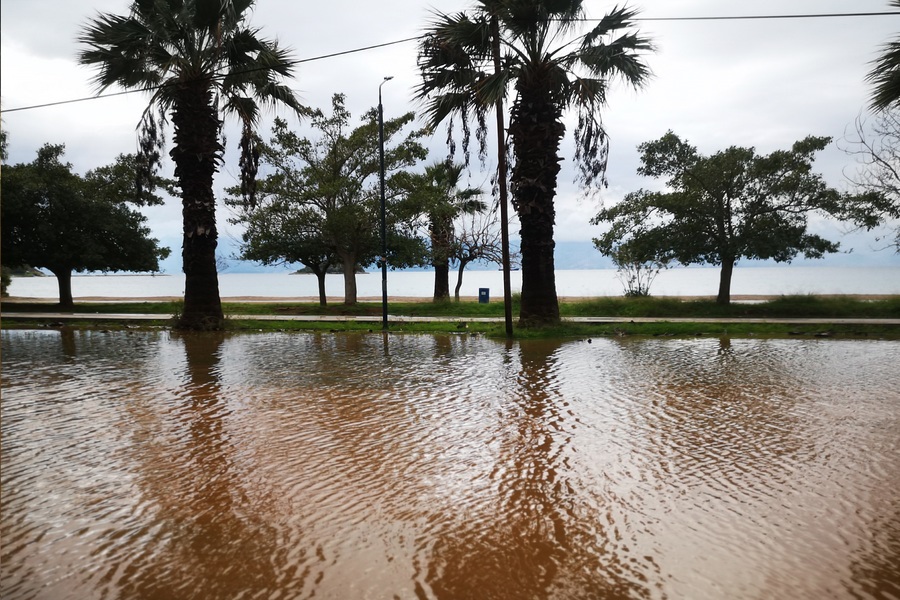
x=438 y=194
x=324 y=195
x=199 y=59
x=885 y=74
x=551 y=71
x=721 y=208
x=55 y=219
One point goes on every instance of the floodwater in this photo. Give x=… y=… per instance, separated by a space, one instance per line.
x=293 y=465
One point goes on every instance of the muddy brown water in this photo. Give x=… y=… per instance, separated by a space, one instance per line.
x=292 y=465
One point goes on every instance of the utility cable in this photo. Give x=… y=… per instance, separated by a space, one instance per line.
x=411 y=39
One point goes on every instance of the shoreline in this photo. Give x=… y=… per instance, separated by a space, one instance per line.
x=736 y=298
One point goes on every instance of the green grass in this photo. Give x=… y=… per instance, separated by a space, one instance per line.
x=162 y=308
x=807 y=306
x=802 y=306
x=372 y=309
x=494 y=330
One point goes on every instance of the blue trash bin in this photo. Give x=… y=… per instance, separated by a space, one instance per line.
x=484 y=295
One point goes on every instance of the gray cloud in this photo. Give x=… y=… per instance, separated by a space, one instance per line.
x=762 y=83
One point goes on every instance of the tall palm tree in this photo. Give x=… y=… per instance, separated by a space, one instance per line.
x=438 y=190
x=550 y=70
x=199 y=60
x=885 y=74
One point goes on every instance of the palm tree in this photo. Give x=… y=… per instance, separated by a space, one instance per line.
x=198 y=59
x=550 y=72
x=438 y=190
x=885 y=74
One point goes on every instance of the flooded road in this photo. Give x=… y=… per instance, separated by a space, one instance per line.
x=292 y=465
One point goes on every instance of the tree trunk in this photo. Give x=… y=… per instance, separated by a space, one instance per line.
x=724 y=296
x=196 y=152
x=64 y=281
x=349 y=262
x=442 y=282
x=320 y=273
x=536 y=132
x=441 y=239
x=459 y=278
x=320 y=278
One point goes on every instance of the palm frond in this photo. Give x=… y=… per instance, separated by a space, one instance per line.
x=540 y=59
x=471 y=32
x=523 y=18
x=885 y=77
x=587 y=92
x=618 y=18
x=621 y=59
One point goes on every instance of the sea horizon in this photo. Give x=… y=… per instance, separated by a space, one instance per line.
x=682 y=281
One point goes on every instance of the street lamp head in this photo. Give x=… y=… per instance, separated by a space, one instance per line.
x=386 y=79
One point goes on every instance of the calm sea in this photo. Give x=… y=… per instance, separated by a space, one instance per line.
x=578 y=283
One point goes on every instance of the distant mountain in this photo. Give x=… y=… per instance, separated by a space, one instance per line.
x=580 y=255
x=569 y=256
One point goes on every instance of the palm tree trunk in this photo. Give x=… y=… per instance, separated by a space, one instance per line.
x=442 y=282
x=441 y=238
x=725 y=274
x=536 y=132
x=196 y=153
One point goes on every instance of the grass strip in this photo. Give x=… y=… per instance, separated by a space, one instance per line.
x=799 y=306
x=585 y=331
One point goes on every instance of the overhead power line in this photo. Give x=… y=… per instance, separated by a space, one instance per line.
x=757 y=17
x=150 y=89
x=412 y=39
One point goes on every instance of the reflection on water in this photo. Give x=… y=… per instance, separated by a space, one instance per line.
x=154 y=465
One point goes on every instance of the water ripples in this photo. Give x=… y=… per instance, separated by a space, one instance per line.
x=155 y=465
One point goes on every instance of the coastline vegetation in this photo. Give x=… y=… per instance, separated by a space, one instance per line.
x=472 y=317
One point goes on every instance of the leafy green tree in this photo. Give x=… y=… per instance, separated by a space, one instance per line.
x=55 y=219
x=885 y=74
x=326 y=192
x=733 y=204
x=277 y=232
x=550 y=73
x=439 y=196
x=199 y=59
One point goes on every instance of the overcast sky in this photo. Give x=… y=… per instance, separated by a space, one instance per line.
x=763 y=83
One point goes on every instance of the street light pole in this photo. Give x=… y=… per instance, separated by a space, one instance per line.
x=501 y=180
x=384 y=294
